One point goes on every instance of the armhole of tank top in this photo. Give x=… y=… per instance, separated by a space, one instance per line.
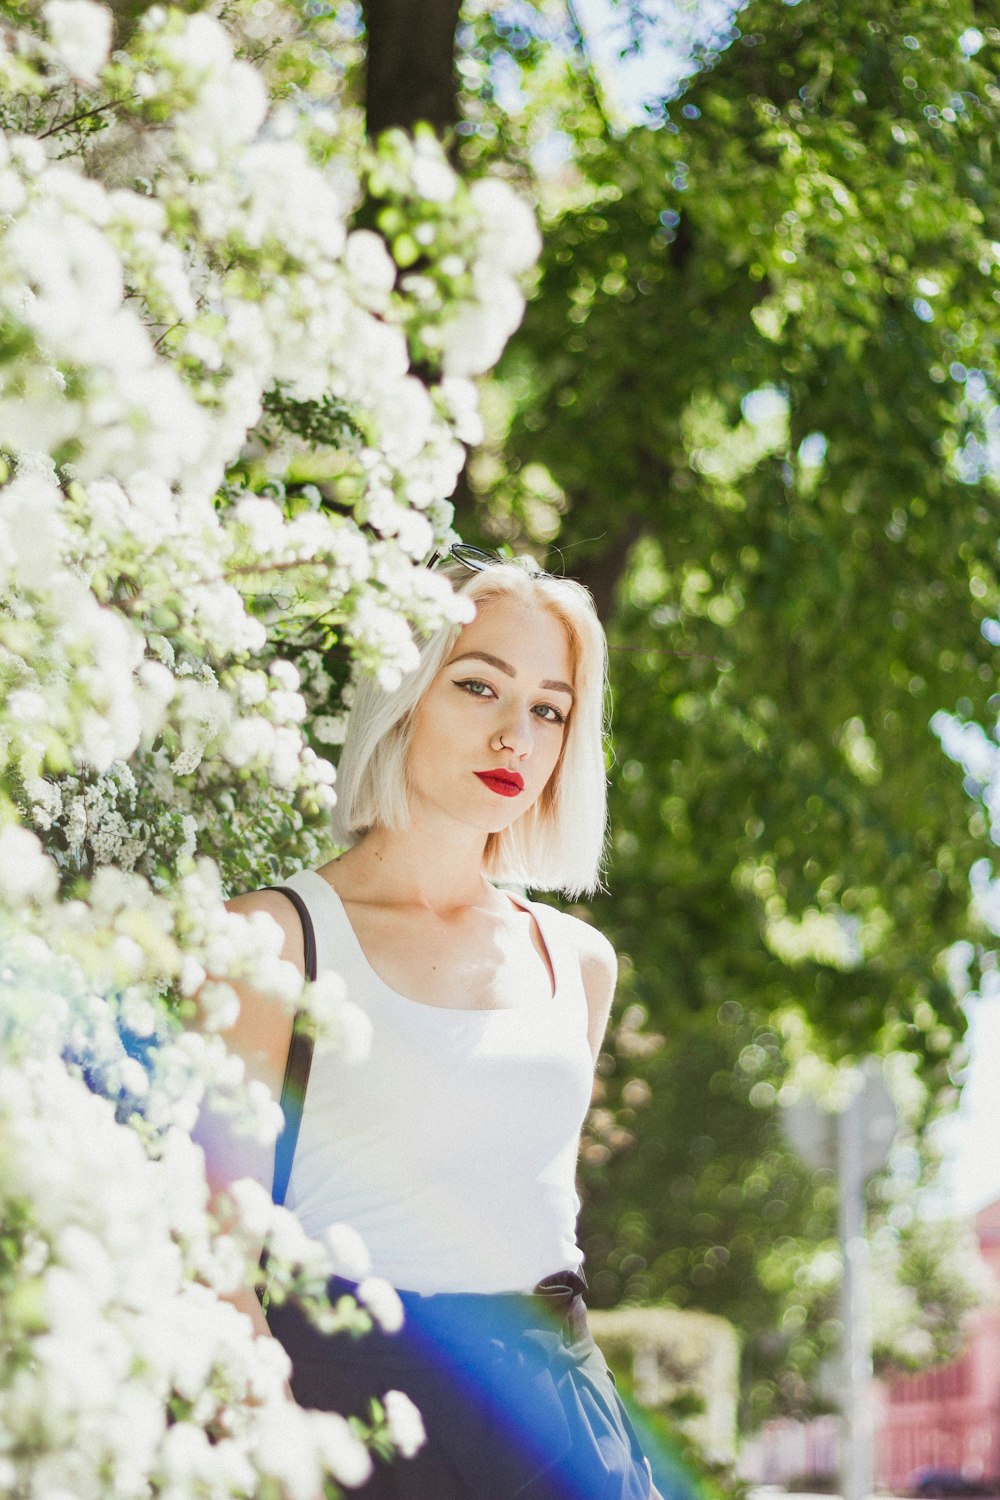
x=558 y=935
x=558 y=958
x=560 y=938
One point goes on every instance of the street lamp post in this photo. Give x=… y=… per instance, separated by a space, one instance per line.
x=857 y=1456
x=855 y=1140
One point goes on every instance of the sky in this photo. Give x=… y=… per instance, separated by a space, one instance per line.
x=663 y=60
x=971 y=1137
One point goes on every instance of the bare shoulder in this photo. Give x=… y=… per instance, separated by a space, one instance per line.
x=598 y=959
x=260 y=1036
x=275 y=905
x=599 y=972
x=263 y=1030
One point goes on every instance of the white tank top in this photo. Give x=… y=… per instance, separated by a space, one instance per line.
x=452 y=1148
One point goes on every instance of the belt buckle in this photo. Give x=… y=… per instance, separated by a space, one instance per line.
x=561 y=1286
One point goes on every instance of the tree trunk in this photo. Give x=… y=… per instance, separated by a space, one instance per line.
x=411 y=63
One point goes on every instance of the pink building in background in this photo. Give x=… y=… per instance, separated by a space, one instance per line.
x=949 y=1417
x=946 y=1418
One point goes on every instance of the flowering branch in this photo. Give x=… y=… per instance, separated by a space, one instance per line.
x=157 y=751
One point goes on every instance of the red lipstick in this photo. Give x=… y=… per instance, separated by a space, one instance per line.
x=504 y=783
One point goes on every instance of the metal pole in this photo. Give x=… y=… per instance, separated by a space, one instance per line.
x=857 y=1415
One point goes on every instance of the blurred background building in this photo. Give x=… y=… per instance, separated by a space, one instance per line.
x=945 y=1419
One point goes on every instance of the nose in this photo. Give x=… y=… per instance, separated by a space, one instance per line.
x=513 y=734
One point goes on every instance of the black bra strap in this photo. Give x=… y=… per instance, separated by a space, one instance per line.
x=297 y=1064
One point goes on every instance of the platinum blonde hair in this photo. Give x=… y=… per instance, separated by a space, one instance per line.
x=559 y=843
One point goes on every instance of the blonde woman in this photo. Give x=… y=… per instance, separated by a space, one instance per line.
x=452 y=1150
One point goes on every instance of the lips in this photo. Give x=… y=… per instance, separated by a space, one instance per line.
x=504 y=783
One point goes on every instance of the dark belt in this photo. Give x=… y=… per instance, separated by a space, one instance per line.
x=561 y=1284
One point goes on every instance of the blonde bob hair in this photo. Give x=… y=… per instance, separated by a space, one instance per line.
x=558 y=844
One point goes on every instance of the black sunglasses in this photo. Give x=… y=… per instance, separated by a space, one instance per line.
x=476 y=559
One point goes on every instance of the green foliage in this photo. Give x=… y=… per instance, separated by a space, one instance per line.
x=928 y=1276
x=704 y=1206
x=324 y=422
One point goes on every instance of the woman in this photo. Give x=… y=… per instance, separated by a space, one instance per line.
x=452 y=1149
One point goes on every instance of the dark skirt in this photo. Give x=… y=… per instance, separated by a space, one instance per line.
x=515 y=1395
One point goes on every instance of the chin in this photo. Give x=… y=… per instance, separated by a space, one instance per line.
x=500 y=821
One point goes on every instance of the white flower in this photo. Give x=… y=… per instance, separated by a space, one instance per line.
x=415 y=533
x=26 y=872
x=383 y=1302
x=285 y=675
x=462 y=404
x=409 y=428
x=219 y=1003
x=288 y=1241
x=142 y=604
x=249 y=740
x=406 y=1425
x=347 y=1251
x=348 y=1028
x=46 y=800
x=284 y=1449
x=32 y=533
x=284 y=763
x=289 y=708
x=80 y=32
x=341 y=1453
x=256 y=1209
x=474 y=339
x=433 y=178
x=510 y=237
x=326 y=998
x=370 y=264
x=330 y=729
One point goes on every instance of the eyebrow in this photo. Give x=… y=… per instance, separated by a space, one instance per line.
x=505 y=666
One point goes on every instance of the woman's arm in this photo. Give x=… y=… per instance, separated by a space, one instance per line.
x=599 y=970
x=261 y=1036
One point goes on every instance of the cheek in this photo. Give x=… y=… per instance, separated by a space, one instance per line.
x=553 y=754
x=440 y=726
x=424 y=738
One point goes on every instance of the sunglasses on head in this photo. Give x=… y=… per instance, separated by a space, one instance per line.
x=476 y=559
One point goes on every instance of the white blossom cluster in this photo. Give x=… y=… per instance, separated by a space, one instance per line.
x=123 y=1370
x=230 y=424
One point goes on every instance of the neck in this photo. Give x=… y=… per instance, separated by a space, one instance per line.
x=398 y=867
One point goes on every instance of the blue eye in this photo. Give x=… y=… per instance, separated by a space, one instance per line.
x=476 y=688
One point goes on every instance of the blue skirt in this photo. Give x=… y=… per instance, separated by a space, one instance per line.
x=516 y=1397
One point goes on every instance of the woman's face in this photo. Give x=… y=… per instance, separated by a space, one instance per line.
x=509 y=677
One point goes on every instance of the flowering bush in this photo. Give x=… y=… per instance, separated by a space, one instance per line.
x=230 y=423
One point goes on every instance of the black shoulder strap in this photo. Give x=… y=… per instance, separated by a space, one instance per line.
x=298 y=1062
